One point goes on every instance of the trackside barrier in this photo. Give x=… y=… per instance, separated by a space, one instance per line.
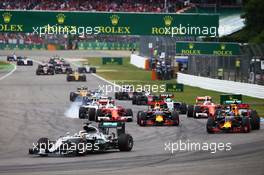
x=138 y=61
x=226 y=86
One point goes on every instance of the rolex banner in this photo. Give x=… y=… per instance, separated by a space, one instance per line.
x=85 y=23
x=208 y=48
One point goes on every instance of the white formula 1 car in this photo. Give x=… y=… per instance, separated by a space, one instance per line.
x=90 y=139
x=23 y=61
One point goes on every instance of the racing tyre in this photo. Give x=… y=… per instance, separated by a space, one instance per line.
x=183 y=108
x=246 y=125
x=30 y=63
x=142 y=119
x=72 y=96
x=116 y=95
x=84 y=78
x=138 y=114
x=134 y=100
x=210 y=124
x=190 y=111
x=43 y=143
x=129 y=112
x=91 y=114
x=255 y=121
x=138 y=102
x=175 y=118
x=82 y=113
x=125 y=142
x=69 y=78
x=93 y=70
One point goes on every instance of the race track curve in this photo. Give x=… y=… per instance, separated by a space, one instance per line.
x=33 y=106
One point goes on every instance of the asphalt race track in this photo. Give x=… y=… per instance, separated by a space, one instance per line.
x=33 y=106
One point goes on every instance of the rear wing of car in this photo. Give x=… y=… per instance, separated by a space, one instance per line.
x=120 y=126
x=166 y=96
x=227 y=99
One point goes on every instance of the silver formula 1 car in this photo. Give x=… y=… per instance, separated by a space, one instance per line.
x=90 y=139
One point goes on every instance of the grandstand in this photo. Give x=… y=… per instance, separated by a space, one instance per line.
x=94 y=5
x=155 y=6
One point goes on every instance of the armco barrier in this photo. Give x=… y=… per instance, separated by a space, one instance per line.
x=222 y=85
x=138 y=61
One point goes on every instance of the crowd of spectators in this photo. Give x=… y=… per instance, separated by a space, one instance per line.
x=20 y=38
x=95 y=5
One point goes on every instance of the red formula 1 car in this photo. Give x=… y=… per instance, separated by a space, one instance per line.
x=236 y=118
x=110 y=112
x=203 y=108
x=158 y=115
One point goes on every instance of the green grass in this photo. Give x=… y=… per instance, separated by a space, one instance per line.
x=120 y=72
x=129 y=74
x=5 y=66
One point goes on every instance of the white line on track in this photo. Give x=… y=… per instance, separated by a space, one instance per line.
x=101 y=78
x=9 y=73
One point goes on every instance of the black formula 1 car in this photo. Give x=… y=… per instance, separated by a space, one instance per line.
x=45 y=69
x=87 y=69
x=76 y=76
x=56 y=60
x=126 y=93
x=63 y=68
x=167 y=99
x=11 y=58
x=142 y=98
x=158 y=115
x=90 y=139
x=23 y=61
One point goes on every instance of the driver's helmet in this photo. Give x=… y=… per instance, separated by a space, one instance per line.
x=110 y=105
x=234 y=109
x=157 y=106
x=168 y=100
x=89 y=129
x=207 y=98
